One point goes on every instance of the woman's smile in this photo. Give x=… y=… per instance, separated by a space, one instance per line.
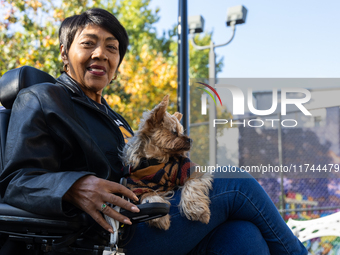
x=97 y=70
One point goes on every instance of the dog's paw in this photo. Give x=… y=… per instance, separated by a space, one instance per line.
x=195 y=200
x=162 y=222
x=196 y=211
x=205 y=217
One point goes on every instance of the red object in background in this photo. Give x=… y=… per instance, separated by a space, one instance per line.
x=291 y=216
x=291 y=195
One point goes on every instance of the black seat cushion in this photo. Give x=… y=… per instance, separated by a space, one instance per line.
x=10 y=85
x=15 y=80
x=4 y=118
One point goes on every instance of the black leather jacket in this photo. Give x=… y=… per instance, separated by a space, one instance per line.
x=56 y=136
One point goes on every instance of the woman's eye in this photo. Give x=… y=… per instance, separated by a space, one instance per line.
x=87 y=43
x=112 y=47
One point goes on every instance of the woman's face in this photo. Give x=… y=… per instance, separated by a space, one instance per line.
x=92 y=60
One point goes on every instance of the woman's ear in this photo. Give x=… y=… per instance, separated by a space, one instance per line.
x=63 y=54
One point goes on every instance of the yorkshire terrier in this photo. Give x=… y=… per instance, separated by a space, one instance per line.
x=158 y=163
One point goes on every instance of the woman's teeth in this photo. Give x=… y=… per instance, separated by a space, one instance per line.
x=96 y=70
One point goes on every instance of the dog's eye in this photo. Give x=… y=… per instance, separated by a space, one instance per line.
x=175 y=133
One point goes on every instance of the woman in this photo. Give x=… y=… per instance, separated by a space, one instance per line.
x=62 y=154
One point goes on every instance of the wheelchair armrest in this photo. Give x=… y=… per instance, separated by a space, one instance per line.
x=148 y=211
x=16 y=220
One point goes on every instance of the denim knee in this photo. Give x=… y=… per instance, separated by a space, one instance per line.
x=231 y=238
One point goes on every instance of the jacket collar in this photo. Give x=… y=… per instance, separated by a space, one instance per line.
x=71 y=84
x=74 y=87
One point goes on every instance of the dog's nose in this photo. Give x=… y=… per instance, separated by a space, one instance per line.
x=189 y=140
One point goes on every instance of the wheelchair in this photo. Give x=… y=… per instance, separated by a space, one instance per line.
x=38 y=234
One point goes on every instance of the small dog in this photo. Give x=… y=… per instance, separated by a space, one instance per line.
x=156 y=155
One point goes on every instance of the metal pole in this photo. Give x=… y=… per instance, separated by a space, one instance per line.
x=212 y=108
x=179 y=58
x=279 y=130
x=183 y=71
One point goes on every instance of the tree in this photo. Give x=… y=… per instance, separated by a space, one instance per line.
x=25 y=39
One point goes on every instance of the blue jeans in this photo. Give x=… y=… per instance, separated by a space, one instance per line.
x=243 y=220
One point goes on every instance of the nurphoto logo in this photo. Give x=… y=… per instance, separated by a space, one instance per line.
x=238 y=102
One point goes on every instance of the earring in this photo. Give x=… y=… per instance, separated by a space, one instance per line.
x=65 y=68
x=115 y=77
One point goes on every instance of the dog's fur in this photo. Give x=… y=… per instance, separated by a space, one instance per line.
x=160 y=136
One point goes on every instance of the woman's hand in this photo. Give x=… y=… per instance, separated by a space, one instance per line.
x=89 y=193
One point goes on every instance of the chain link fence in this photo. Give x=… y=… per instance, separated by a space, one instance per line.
x=306 y=183
x=299 y=167
x=295 y=158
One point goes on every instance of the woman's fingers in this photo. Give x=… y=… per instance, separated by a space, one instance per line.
x=115 y=215
x=90 y=193
x=118 y=188
x=116 y=200
x=98 y=217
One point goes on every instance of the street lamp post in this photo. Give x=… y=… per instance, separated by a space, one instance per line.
x=183 y=65
x=235 y=15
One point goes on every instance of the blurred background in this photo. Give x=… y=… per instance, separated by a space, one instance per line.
x=289 y=39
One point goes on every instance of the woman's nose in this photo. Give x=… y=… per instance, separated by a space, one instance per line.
x=99 y=52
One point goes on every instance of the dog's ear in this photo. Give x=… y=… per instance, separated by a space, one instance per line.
x=160 y=109
x=165 y=100
x=178 y=115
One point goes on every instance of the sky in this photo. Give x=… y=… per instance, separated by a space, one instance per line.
x=280 y=39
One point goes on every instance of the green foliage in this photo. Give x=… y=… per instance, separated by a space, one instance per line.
x=31 y=41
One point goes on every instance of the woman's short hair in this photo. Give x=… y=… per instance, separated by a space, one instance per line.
x=99 y=17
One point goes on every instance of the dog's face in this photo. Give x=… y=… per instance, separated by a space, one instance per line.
x=163 y=132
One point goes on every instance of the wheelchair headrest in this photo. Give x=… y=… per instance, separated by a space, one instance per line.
x=15 y=80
